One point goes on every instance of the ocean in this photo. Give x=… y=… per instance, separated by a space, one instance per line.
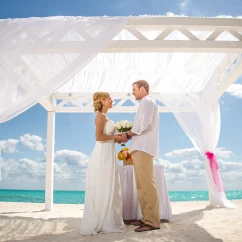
x=78 y=197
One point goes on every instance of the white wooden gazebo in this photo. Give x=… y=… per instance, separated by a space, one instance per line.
x=189 y=62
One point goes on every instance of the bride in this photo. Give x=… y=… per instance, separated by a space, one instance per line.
x=103 y=203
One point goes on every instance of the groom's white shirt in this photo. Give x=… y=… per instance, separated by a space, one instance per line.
x=146 y=126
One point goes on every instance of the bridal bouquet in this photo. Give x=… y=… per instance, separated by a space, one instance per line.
x=125 y=156
x=123 y=126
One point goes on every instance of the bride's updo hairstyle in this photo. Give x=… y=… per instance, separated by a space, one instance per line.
x=97 y=100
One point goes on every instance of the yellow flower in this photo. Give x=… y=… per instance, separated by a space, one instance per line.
x=124 y=154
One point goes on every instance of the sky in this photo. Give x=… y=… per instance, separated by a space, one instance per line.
x=23 y=139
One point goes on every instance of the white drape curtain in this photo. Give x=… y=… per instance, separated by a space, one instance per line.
x=31 y=70
x=202 y=126
x=165 y=71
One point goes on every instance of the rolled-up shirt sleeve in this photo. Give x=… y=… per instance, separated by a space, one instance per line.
x=144 y=117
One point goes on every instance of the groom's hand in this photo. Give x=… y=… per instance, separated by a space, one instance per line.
x=123 y=138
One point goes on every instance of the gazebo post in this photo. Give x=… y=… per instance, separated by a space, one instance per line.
x=50 y=151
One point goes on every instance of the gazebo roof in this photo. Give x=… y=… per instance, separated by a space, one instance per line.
x=69 y=58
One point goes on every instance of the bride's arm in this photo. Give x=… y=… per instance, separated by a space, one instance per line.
x=100 y=123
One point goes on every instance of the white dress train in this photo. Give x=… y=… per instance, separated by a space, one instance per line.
x=103 y=201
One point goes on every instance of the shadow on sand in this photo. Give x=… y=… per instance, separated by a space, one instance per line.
x=182 y=227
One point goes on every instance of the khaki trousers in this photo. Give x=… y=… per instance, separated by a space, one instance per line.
x=146 y=187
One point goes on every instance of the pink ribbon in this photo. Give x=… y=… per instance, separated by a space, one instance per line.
x=215 y=171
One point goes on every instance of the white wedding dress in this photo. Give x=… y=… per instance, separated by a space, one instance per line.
x=103 y=202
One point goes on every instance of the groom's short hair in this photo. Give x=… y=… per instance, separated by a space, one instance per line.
x=142 y=83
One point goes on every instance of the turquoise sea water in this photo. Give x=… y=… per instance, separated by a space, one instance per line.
x=78 y=197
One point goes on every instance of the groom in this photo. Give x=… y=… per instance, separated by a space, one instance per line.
x=144 y=147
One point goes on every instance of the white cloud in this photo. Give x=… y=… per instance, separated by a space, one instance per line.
x=228 y=16
x=230 y=171
x=190 y=169
x=23 y=170
x=186 y=172
x=223 y=153
x=183 y=6
x=32 y=142
x=70 y=170
x=192 y=153
x=170 y=14
x=8 y=146
x=71 y=158
x=69 y=166
x=235 y=90
x=183 y=153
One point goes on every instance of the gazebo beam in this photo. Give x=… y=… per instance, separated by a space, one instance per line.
x=128 y=46
x=234 y=72
x=189 y=22
x=120 y=107
x=119 y=46
x=52 y=43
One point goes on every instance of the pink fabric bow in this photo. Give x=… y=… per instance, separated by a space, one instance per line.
x=215 y=172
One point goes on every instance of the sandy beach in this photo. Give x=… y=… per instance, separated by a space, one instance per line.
x=191 y=221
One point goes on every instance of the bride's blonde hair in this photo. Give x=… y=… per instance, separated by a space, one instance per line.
x=97 y=100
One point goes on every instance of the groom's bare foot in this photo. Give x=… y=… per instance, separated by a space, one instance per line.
x=137 y=223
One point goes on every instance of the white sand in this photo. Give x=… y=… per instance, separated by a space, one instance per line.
x=191 y=222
